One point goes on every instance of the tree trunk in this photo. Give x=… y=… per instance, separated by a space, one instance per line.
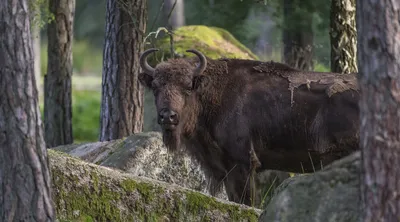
x=177 y=16
x=343 y=36
x=379 y=70
x=25 y=183
x=57 y=106
x=122 y=95
x=298 y=40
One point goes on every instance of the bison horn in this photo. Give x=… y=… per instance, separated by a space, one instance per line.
x=143 y=61
x=203 y=62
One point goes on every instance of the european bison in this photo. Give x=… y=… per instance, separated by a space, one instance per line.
x=220 y=109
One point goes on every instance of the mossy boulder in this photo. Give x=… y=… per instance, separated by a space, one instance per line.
x=331 y=194
x=87 y=192
x=213 y=42
x=144 y=154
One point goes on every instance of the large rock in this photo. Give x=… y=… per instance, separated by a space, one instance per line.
x=213 y=42
x=87 y=192
x=329 y=195
x=267 y=182
x=144 y=154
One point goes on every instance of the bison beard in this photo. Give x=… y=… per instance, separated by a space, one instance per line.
x=172 y=139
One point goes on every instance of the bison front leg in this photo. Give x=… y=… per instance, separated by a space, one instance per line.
x=240 y=181
x=237 y=184
x=234 y=139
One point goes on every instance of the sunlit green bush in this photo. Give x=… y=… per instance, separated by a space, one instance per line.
x=320 y=67
x=85 y=115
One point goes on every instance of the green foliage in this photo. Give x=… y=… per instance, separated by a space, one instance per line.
x=320 y=67
x=90 y=17
x=226 y=14
x=253 y=27
x=233 y=16
x=236 y=18
x=86 y=58
x=301 y=13
x=40 y=14
x=86 y=115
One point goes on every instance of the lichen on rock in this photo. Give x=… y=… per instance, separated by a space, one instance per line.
x=144 y=154
x=331 y=194
x=87 y=192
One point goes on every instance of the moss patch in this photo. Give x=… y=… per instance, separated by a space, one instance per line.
x=211 y=41
x=86 y=192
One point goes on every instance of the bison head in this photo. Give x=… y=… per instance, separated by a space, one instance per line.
x=175 y=84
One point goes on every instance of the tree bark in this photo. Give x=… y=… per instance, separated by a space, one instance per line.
x=379 y=76
x=57 y=106
x=122 y=96
x=25 y=183
x=343 y=36
x=177 y=18
x=298 y=39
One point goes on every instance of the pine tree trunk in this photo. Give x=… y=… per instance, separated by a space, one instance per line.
x=122 y=95
x=298 y=40
x=343 y=36
x=25 y=183
x=379 y=70
x=176 y=13
x=57 y=106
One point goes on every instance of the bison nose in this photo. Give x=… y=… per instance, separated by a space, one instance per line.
x=167 y=116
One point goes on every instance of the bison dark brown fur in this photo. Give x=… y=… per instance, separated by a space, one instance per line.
x=296 y=120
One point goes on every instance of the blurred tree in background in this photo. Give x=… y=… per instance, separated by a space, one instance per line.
x=174 y=13
x=122 y=95
x=248 y=21
x=57 y=93
x=343 y=35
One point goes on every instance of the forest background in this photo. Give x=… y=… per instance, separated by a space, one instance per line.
x=260 y=27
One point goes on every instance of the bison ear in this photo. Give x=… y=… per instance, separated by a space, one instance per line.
x=200 y=82
x=145 y=79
